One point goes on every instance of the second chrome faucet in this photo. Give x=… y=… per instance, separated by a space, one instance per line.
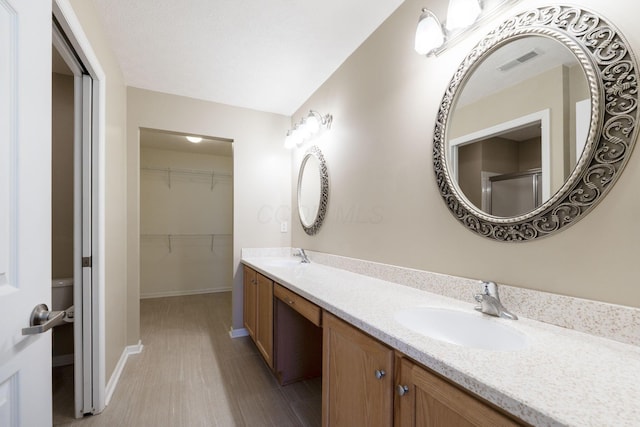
x=302 y=254
x=490 y=302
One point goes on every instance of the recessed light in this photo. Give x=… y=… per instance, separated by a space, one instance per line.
x=194 y=139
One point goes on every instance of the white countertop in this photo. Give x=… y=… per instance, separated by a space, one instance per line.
x=562 y=378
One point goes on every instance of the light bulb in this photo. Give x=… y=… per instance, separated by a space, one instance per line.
x=289 y=141
x=429 y=35
x=462 y=13
x=312 y=123
x=303 y=131
x=194 y=139
x=296 y=136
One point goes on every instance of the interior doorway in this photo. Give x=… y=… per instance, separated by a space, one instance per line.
x=77 y=344
x=186 y=214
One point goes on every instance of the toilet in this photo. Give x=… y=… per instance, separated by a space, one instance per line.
x=62 y=338
x=61 y=294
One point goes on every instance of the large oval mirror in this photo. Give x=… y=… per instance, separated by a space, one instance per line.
x=313 y=190
x=536 y=124
x=509 y=162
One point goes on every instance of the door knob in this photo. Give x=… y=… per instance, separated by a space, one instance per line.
x=380 y=373
x=42 y=320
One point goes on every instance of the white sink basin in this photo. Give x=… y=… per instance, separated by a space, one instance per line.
x=283 y=262
x=469 y=329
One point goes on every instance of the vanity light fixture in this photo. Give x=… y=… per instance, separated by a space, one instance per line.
x=429 y=34
x=194 y=139
x=432 y=38
x=462 y=13
x=307 y=128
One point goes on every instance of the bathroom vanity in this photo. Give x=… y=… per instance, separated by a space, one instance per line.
x=560 y=377
x=360 y=373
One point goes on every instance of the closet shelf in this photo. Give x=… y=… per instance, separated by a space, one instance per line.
x=209 y=174
x=170 y=237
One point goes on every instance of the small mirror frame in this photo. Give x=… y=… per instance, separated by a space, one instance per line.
x=324 y=190
x=611 y=72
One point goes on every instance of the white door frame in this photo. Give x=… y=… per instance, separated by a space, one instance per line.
x=542 y=116
x=64 y=14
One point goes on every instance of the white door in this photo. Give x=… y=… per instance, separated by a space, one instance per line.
x=25 y=209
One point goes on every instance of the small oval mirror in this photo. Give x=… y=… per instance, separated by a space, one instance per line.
x=313 y=190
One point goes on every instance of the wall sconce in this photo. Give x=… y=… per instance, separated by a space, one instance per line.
x=308 y=127
x=429 y=34
x=432 y=38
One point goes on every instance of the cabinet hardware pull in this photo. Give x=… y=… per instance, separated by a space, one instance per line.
x=402 y=389
x=380 y=373
x=291 y=302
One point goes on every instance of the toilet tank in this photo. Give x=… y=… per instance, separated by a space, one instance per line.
x=61 y=293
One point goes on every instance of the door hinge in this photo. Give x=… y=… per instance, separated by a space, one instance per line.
x=86 y=261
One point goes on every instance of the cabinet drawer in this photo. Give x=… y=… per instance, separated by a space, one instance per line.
x=299 y=304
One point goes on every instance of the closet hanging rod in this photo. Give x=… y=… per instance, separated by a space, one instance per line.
x=188 y=171
x=180 y=235
x=194 y=172
x=170 y=237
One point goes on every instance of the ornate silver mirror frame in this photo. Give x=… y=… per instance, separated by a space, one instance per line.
x=612 y=77
x=312 y=227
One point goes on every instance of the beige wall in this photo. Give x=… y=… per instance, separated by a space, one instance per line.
x=62 y=177
x=115 y=192
x=384 y=204
x=189 y=205
x=262 y=193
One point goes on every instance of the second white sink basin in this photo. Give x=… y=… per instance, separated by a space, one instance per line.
x=469 y=329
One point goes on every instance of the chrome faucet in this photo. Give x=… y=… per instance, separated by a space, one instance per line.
x=490 y=302
x=301 y=253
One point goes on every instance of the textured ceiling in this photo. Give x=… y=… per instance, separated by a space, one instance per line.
x=267 y=55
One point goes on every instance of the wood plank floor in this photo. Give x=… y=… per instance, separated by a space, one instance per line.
x=191 y=373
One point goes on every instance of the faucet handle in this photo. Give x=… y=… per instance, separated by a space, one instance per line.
x=479 y=298
x=490 y=288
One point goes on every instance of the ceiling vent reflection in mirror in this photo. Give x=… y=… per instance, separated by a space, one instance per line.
x=607 y=71
x=520 y=60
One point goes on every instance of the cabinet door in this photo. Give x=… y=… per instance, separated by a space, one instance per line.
x=264 y=326
x=250 y=285
x=357 y=377
x=425 y=399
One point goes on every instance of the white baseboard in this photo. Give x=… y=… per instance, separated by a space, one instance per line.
x=237 y=333
x=63 y=360
x=182 y=293
x=115 y=377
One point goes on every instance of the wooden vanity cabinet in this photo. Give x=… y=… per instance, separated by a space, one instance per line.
x=258 y=311
x=357 y=377
x=364 y=382
x=250 y=291
x=424 y=399
x=264 y=318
